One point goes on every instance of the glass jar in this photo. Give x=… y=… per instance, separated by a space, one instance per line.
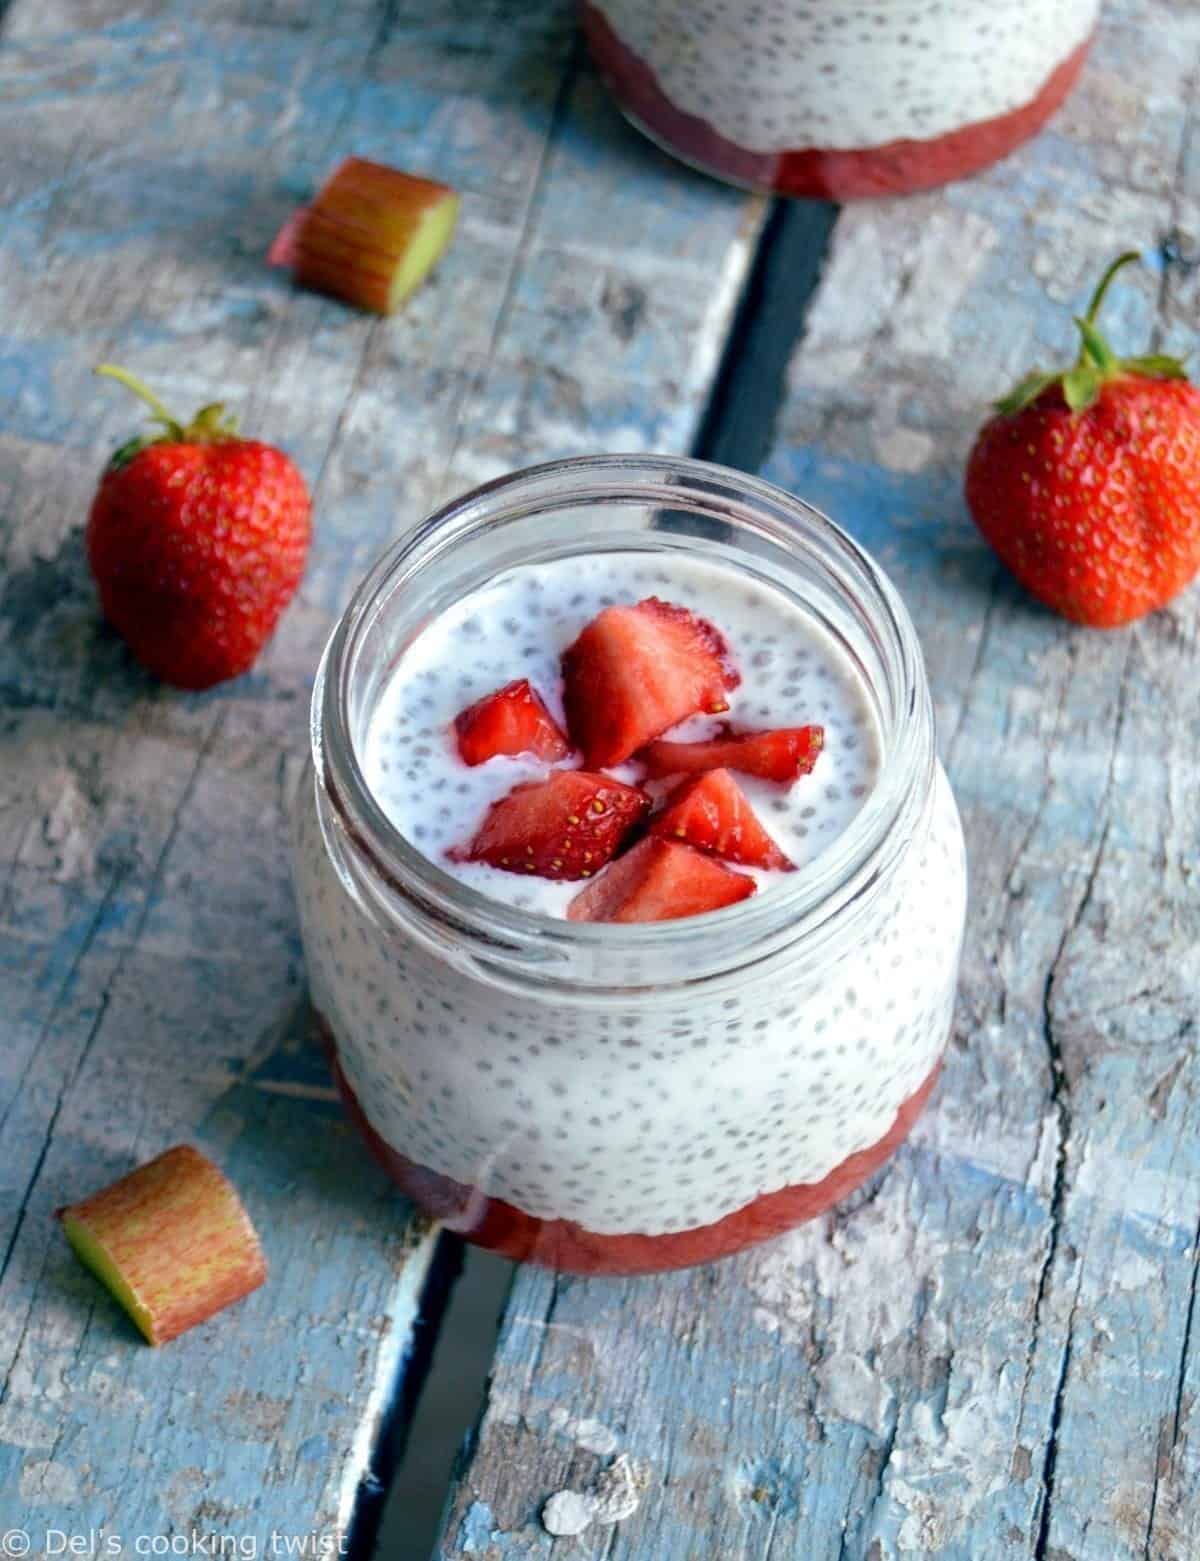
x=622 y=1098
x=827 y=98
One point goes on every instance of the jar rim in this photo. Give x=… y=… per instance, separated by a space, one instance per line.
x=806 y=905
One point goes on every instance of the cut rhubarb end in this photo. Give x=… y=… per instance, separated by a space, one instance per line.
x=171 y=1241
x=372 y=235
x=283 y=246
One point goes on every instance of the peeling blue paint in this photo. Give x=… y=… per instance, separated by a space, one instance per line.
x=477 y=1529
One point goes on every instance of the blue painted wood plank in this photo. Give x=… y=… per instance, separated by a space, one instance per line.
x=148 y=951
x=989 y=1353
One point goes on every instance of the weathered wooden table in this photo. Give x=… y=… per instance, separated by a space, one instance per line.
x=989 y=1353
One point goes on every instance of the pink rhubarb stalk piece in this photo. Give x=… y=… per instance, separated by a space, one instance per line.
x=371 y=235
x=171 y=1241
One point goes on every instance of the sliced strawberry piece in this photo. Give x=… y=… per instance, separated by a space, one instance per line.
x=635 y=671
x=713 y=813
x=660 y=880
x=566 y=826
x=781 y=755
x=512 y=720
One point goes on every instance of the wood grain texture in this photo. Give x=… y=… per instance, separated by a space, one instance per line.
x=990 y=1353
x=150 y=971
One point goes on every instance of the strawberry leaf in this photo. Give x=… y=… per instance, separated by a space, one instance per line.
x=1081 y=386
x=125 y=453
x=1155 y=365
x=212 y=421
x=1024 y=394
x=1095 y=347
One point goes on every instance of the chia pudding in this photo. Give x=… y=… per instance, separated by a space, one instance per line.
x=519 y=626
x=608 y=1098
x=830 y=99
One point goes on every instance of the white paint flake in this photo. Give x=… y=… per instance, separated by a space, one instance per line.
x=613 y=1496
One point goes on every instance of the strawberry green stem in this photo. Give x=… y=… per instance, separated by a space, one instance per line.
x=211 y=424
x=1097 y=364
x=1094 y=346
x=1101 y=292
x=1094 y=349
x=111 y=371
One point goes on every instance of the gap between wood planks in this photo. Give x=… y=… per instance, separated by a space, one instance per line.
x=438 y=1394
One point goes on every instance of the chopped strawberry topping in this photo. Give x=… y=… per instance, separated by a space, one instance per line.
x=512 y=720
x=782 y=755
x=566 y=826
x=713 y=813
x=635 y=671
x=660 y=880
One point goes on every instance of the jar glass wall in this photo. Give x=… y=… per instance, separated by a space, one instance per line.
x=621 y=1098
x=825 y=98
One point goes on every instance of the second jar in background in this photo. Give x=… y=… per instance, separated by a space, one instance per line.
x=827 y=98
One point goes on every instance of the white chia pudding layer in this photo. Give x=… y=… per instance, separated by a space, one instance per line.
x=787 y=75
x=651 y=1113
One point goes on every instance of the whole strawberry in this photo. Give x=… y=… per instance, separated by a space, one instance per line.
x=197 y=539
x=1087 y=483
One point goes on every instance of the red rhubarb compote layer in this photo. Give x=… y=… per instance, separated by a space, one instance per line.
x=838 y=101
x=510 y=1232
